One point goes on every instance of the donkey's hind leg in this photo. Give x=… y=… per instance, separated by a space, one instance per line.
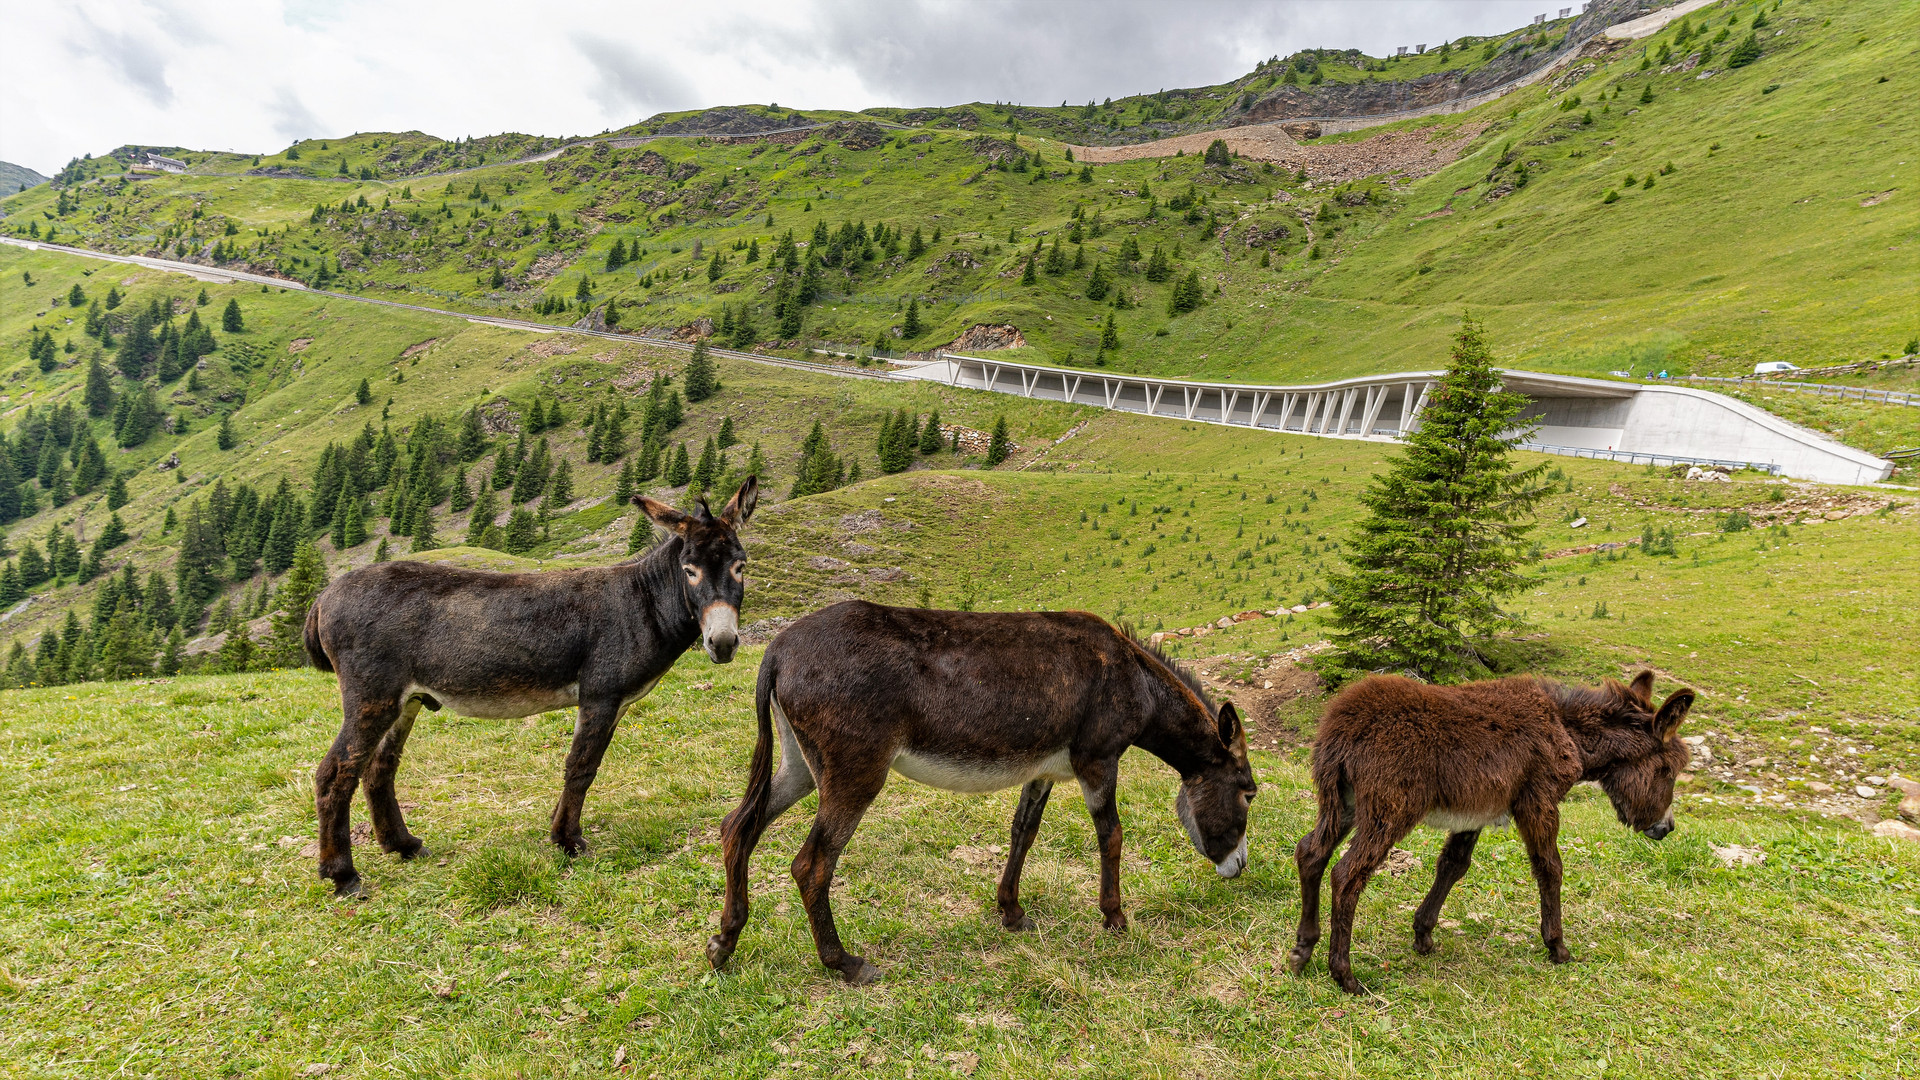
x=1454 y=860
x=367 y=722
x=1026 y=824
x=389 y=826
x=1311 y=856
x=1371 y=842
x=741 y=833
x=844 y=797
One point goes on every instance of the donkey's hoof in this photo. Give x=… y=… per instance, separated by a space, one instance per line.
x=1297 y=959
x=411 y=848
x=1423 y=945
x=861 y=973
x=719 y=951
x=1350 y=984
x=350 y=888
x=1559 y=955
x=1015 y=921
x=576 y=847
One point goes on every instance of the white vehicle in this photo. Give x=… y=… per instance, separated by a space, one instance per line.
x=1773 y=366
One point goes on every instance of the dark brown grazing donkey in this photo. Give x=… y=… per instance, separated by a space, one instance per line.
x=1392 y=753
x=403 y=635
x=973 y=702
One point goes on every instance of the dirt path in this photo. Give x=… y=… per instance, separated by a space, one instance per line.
x=1400 y=153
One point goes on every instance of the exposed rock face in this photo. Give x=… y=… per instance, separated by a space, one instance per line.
x=722 y=121
x=1372 y=98
x=856 y=134
x=981 y=337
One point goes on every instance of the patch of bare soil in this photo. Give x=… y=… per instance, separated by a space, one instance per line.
x=556 y=346
x=416 y=350
x=1399 y=153
x=1261 y=695
x=299 y=344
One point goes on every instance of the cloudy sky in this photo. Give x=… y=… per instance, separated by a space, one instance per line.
x=89 y=75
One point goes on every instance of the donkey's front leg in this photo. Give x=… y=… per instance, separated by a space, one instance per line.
x=591 y=733
x=1097 y=782
x=1538 y=822
x=1026 y=824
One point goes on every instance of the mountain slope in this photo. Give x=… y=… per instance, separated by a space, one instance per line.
x=16 y=178
x=1776 y=226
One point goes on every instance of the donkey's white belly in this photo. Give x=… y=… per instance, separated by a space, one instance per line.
x=513 y=706
x=1453 y=821
x=958 y=775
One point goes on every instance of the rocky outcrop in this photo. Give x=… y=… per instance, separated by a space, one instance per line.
x=981 y=337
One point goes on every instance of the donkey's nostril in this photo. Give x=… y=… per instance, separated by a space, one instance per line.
x=1660 y=831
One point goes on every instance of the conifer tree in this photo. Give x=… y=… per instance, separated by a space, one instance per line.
x=1186 y=295
x=114 y=534
x=911 y=327
x=462 y=496
x=1000 y=445
x=1027 y=276
x=230 y=319
x=1110 y=335
x=117 y=496
x=174 y=654
x=680 y=470
x=1443 y=539
x=522 y=532
x=305 y=578
x=98 y=395
x=225 y=438
x=705 y=471
x=623 y=484
x=700 y=373
x=930 y=435
x=485 y=509
x=727 y=437
x=560 y=485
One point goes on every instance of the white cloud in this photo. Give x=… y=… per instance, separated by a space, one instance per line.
x=89 y=75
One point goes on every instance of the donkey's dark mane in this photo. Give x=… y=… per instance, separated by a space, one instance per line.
x=1605 y=696
x=1173 y=667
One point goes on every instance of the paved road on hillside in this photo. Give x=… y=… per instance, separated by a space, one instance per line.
x=214 y=273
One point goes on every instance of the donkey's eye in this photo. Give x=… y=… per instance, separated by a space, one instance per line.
x=737 y=569
x=693 y=574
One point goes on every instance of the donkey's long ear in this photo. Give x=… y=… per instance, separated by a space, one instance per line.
x=1672 y=711
x=739 y=509
x=1230 y=729
x=663 y=515
x=1642 y=687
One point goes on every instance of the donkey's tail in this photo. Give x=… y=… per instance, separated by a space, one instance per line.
x=749 y=818
x=310 y=637
x=1333 y=789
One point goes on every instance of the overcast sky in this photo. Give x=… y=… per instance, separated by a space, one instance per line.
x=89 y=75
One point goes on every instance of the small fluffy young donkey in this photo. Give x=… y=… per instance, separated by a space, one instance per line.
x=1393 y=753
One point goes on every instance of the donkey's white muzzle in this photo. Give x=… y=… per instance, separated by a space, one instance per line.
x=720 y=632
x=1231 y=866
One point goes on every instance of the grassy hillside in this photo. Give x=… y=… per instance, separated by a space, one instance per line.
x=1774 y=228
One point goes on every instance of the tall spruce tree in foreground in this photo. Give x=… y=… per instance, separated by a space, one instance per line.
x=1445 y=531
